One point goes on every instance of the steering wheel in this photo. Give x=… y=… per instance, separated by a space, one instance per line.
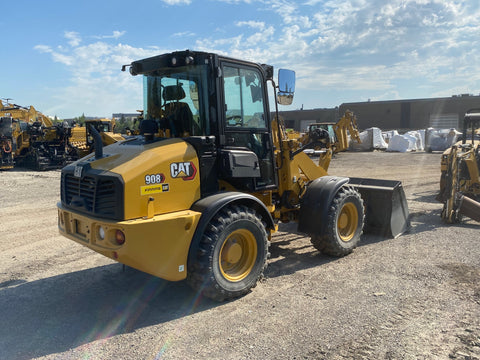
x=236 y=119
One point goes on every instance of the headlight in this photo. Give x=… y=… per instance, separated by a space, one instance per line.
x=101 y=233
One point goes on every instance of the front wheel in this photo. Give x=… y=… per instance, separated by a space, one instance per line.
x=344 y=224
x=232 y=255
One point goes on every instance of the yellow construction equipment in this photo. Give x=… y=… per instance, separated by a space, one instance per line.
x=200 y=192
x=6 y=143
x=15 y=137
x=30 y=139
x=335 y=134
x=28 y=115
x=460 y=173
x=81 y=139
x=330 y=138
x=35 y=141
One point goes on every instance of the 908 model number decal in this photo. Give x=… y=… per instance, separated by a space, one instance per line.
x=154 y=179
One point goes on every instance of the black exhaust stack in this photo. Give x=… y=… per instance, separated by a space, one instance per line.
x=97 y=142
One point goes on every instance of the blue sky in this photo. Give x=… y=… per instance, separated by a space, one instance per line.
x=64 y=57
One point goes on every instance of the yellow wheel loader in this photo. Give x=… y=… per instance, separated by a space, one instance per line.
x=199 y=193
x=460 y=173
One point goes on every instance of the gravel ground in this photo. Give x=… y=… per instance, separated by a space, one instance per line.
x=414 y=297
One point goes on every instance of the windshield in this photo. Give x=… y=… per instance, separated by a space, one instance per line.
x=101 y=126
x=5 y=126
x=176 y=99
x=327 y=127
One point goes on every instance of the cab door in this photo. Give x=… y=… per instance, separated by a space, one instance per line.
x=246 y=124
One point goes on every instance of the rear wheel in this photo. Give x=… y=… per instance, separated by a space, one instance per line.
x=232 y=255
x=344 y=224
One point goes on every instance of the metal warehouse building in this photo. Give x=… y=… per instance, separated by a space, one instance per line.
x=440 y=113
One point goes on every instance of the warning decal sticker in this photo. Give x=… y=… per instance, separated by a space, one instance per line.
x=154 y=189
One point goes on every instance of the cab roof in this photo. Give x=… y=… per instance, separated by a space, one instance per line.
x=185 y=58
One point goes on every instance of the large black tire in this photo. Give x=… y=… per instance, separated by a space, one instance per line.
x=232 y=255
x=344 y=224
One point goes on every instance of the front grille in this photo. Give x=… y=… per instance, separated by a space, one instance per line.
x=94 y=194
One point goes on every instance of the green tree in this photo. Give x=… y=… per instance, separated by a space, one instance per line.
x=80 y=120
x=122 y=124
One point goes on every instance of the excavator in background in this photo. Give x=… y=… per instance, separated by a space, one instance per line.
x=199 y=193
x=460 y=173
x=331 y=138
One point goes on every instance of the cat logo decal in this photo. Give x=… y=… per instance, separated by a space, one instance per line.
x=184 y=170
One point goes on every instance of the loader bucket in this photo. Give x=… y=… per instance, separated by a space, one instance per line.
x=469 y=207
x=386 y=209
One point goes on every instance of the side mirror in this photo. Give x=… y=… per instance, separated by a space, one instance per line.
x=286 y=86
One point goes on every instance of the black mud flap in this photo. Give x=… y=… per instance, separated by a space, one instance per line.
x=386 y=209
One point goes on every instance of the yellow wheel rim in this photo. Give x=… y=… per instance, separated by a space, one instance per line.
x=237 y=255
x=347 y=222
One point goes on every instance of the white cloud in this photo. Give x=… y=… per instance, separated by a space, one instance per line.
x=368 y=48
x=373 y=46
x=73 y=38
x=388 y=95
x=56 y=56
x=115 y=35
x=259 y=37
x=97 y=85
x=253 y=24
x=43 y=48
x=264 y=34
x=177 y=2
x=237 y=1
x=184 y=34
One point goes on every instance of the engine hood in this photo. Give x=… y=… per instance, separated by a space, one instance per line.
x=158 y=177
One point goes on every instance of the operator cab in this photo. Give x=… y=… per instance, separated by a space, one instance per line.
x=6 y=127
x=471 y=126
x=101 y=126
x=220 y=106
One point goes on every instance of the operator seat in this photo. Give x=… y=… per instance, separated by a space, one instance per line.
x=178 y=114
x=148 y=128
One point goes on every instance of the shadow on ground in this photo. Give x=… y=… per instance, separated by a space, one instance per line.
x=293 y=254
x=55 y=314
x=427 y=197
x=292 y=251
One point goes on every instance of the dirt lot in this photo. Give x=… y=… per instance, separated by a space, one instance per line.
x=414 y=297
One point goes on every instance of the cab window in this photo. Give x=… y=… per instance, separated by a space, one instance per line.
x=244 y=106
x=177 y=100
x=245 y=122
